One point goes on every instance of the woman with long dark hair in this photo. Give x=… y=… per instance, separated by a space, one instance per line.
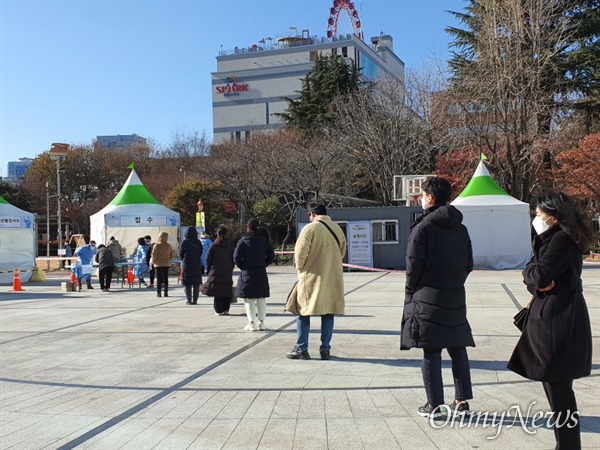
x=219 y=281
x=556 y=345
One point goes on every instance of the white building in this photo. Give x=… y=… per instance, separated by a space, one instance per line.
x=249 y=84
x=120 y=141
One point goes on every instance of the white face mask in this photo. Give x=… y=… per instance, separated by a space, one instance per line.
x=423 y=202
x=540 y=225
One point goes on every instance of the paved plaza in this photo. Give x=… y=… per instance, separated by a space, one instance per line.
x=128 y=370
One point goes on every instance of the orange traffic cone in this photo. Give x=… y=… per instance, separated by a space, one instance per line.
x=130 y=278
x=73 y=279
x=17 y=282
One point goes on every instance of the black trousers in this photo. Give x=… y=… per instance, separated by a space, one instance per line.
x=105 y=276
x=431 y=369
x=221 y=304
x=192 y=291
x=162 y=278
x=564 y=406
x=152 y=275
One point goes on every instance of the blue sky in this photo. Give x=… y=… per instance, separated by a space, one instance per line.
x=72 y=70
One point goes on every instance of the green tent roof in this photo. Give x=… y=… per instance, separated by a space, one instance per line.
x=482 y=183
x=133 y=192
x=3 y=201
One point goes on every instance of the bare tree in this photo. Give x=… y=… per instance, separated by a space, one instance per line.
x=385 y=132
x=507 y=90
x=290 y=164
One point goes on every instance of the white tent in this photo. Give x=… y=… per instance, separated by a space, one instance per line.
x=17 y=242
x=132 y=214
x=499 y=225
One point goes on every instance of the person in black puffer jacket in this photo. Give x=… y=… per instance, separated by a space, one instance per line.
x=219 y=264
x=439 y=258
x=190 y=253
x=253 y=254
x=106 y=265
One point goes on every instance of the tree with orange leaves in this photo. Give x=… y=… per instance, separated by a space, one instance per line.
x=457 y=167
x=578 y=172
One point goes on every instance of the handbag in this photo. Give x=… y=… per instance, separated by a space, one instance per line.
x=291 y=304
x=520 y=319
x=205 y=289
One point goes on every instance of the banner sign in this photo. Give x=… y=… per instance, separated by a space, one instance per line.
x=16 y=222
x=200 y=219
x=143 y=221
x=360 y=243
x=10 y=222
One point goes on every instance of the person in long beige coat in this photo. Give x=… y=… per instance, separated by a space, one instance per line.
x=162 y=253
x=319 y=252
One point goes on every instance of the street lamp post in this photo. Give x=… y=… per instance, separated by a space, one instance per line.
x=58 y=152
x=47 y=224
x=58 y=203
x=48 y=197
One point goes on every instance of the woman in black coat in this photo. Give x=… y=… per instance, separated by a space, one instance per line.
x=438 y=259
x=219 y=264
x=253 y=254
x=556 y=345
x=190 y=253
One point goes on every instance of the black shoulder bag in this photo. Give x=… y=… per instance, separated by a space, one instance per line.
x=520 y=319
x=292 y=299
x=331 y=231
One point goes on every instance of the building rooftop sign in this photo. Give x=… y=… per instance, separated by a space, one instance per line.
x=232 y=87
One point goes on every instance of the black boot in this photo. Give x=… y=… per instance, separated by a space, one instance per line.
x=158 y=293
x=166 y=293
x=89 y=285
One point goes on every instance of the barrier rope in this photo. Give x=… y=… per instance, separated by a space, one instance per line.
x=351 y=266
x=287 y=252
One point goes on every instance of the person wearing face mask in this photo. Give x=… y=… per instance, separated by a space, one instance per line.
x=556 y=345
x=149 y=248
x=141 y=261
x=85 y=255
x=439 y=258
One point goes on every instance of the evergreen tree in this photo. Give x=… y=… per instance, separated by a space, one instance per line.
x=518 y=69
x=330 y=77
x=574 y=30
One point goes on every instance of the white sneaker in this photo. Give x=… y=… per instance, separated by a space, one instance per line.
x=261 y=326
x=251 y=327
